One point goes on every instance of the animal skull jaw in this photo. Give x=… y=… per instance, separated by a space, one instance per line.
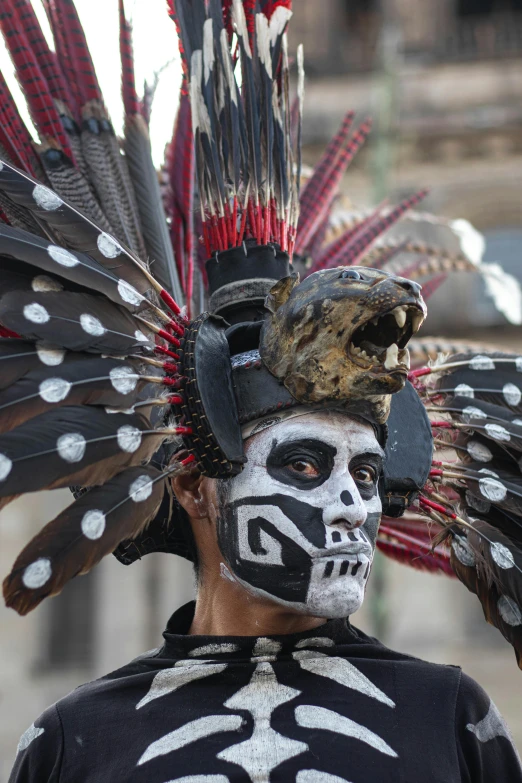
x=379 y=344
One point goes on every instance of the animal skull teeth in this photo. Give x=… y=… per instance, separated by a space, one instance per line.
x=392 y=357
x=383 y=340
x=400 y=316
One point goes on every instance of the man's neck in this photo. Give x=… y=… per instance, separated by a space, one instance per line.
x=226 y=608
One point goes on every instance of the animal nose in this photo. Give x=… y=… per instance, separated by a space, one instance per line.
x=409 y=285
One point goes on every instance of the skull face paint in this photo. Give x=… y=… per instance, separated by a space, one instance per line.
x=298 y=525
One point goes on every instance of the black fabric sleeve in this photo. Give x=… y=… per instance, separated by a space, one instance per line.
x=40 y=751
x=485 y=747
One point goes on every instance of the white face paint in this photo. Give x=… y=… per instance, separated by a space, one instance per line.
x=298 y=525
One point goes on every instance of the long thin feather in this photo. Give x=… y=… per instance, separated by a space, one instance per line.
x=73 y=445
x=181 y=174
x=34 y=84
x=78 y=322
x=46 y=58
x=77 y=52
x=360 y=246
x=323 y=170
x=78 y=231
x=79 y=380
x=308 y=224
x=14 y=133
x=152 y=215
x=64 y=56
x=78 y=538
x=131 y=101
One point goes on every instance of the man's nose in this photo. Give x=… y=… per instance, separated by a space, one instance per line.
x=345 y=509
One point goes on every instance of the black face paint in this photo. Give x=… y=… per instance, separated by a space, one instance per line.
x=371 y=527
x=367 y=490
x=328 y=569
x=346 y=498
x=320 y=455
x=307 y=518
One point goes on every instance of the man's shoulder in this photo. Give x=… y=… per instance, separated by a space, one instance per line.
x=132 y=674
x=376 y=650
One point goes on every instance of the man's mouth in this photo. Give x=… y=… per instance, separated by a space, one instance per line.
x=346 y=564
x=381 y=342
x=345 y=550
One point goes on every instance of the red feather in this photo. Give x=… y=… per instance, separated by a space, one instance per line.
x=128 y=83
x=316 y=245
x=227 y=16
x=46 y=58
x=322 y=171
x=171 y=8
x=359 y=247
x=409 y=541
x=431 y=286
x=72 y=38
x=63 y=57
x=309 y=223
x=34 y=84
x=14 y=135
x=333 y=254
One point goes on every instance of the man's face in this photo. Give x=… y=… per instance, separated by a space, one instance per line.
x=298 y=525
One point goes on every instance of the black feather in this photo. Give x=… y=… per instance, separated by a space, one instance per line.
x=82 y=535
x=490 y=565
x=72 y=445
x=498 y=382
x=81 y=379
x=148 y=196
x=76 y=230
x=25 y=248
x=18 y=357
x=78 y=322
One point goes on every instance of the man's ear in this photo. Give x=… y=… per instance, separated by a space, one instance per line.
x=187 y=489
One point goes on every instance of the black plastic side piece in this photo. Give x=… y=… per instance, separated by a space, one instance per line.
x=210 y=406
x=409 y=452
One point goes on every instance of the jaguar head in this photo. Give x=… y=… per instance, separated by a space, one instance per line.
x=342 y=333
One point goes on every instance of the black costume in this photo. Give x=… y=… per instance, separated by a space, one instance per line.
x=325 y=706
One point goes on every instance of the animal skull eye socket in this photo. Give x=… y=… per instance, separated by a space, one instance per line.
x=351 y=274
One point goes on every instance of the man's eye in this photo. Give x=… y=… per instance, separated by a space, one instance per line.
x=365 y=474
x=304 y=467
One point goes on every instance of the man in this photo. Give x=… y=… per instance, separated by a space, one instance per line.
x=282 y=420
x=264 y=678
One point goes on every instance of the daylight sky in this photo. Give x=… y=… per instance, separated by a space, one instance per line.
x=155 y=45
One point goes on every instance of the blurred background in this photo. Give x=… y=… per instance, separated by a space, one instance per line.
x=443 y=82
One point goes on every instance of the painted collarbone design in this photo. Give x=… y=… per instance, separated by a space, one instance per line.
x=342 y=333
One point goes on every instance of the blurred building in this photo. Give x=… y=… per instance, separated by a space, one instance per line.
x=443 y=80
